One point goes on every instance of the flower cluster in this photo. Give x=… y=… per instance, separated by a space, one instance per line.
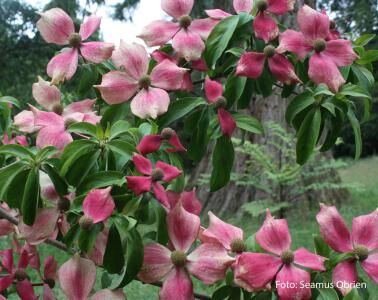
x=88 y=188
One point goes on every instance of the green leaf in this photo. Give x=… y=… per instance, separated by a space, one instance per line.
x=199 y=140
x=123 y=148
x=219 y=39
x=298 y=104
x=74 y=151
x=308 y=135
x=100 y=180
x=115 y=113
x=364 y=76
x=353 y=295
x=234 y=89
x=179 y=109
x=264 y=84
x=87 y=238
x=59 y=183
x=248 y=123
x=326 y=292
x=88 y=78
x=83 y=128
x=357 y=132
x=364 y=39
x=120 y=127
x=44 y=153
x=321 y=246
x=222 y=293
x=337 y=124
x=134 y=257
x=114 y=259
x=17 y=151
x=30 y=200
x=246 y=97
x=368 y=57
x=223 y=160
x=355 y=91
x=16 y=188
x=78 y=171
x=10 y=100
x=8 y=173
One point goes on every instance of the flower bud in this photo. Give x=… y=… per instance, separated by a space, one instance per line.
x=157 y=175
x=269 y=51
x=361 y=253
x=185 y=21
x=68 y=122
x=74 y=40
x=145 y=82
x=86 y=223
x=320 y=45
x=287 y=257
x=64 y=204
x=238 y=246
x=220 y=103
x=262 y=5
x=178 y=258
x=50 y=282
x=167 y=133
x=20 y=275
x=58 y=109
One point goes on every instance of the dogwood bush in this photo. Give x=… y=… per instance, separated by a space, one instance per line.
x=102 y=178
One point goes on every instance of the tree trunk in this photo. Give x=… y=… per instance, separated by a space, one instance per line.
x=232 y=197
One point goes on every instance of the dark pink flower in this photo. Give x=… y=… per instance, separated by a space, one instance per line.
x=361 y=243
x=152 y=143
x=251 y=65
x=209 y=262
x=23 y=286
x=256 y=271
x=214 y=95
x=334 y=34
x=149 y=91
x=58 y=28
x=77 y=277
x=152 y=178
x=187 y=35
x=328 y=54
x=98 y=205
x=227 y=235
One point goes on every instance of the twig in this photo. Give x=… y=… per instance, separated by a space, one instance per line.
x=5 y=215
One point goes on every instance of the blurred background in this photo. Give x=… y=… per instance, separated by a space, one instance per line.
x=265 y=173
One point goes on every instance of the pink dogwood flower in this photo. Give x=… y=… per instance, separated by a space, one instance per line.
x=109 y=295
x=256 y=271
x=328 y=54
x=7 y=227
x=361 y=243
x=152 y=143
x=174 y=266
x=214 y=95
x=98 y=205
x=187 y=35
x=58 y=28
x=149 y=90
x=23 y=286
x=334 y=34
x=227 y=235
x=14 y=139
x=77 y=277
x=251 y=65
x=240 y=6
x=151 y=177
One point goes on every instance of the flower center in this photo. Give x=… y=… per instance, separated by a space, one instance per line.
x=20 y=275
x=269 y=51
x=220 y=103
x=167 y=133
x=145 y=82
x=320 y=45
x=262 y=5
x=58 y=109
x=361 y=253
x=68 y=122
x=50 y=282
x=74 y=40
x=178 y=258
x=157 y=174
x=238 y=246
x=64 y=204
x=86 y=222
x=185 y=21
x=287 y=257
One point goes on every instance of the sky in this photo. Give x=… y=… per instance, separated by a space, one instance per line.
x=114 y=31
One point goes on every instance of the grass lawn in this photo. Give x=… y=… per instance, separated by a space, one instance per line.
x=302 y=224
